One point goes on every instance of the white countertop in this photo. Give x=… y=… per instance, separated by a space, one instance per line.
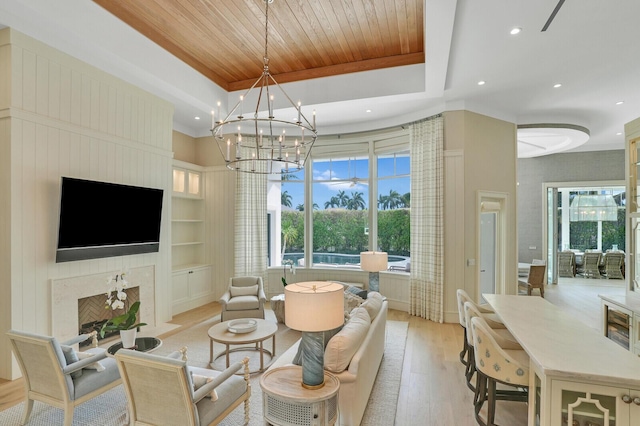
x=630 y=303
x=562 y=346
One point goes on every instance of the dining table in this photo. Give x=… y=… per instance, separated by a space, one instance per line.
x=569 y=358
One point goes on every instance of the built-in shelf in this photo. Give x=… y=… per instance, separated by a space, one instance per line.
x=189 y=267
x=187 y=220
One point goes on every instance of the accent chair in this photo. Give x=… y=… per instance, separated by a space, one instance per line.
x=163 y=390
x=56 y=374
x=244 y=298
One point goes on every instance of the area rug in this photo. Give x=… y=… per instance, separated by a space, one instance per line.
x=109 y=409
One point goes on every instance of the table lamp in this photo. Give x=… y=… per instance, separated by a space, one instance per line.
x=313 y=307
x=374 y=262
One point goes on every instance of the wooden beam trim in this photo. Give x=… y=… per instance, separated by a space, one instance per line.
x=366 y=65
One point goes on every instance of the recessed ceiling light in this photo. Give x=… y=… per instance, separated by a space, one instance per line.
x=481 y=83
x=197 y=118
x=619 y=102
x=368 y=110
x=619 y=134
x=555 y=86
x=515 y=30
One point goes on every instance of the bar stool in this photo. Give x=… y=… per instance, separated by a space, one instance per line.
x=504 y=337
x=506 y=364
x=462 y=298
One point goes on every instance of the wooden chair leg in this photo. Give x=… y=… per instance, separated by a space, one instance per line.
x=28 y=406
x=491 y=399
x=480 y=397
x=465 y=348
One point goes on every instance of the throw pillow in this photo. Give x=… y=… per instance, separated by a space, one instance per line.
x=351 y=301
x=93 y=366
x=343 y=346
x=251 y=290
x=71 y=356
x=373 y=304
x=199 y=381
x=297 y=359
x=357 y=291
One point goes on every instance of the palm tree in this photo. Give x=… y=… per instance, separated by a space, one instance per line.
x=356 y=201
x=285 y=199
x=406 y=200
x=333 y=202
x=383 y=202
x=394 y=199
x=342 y=198
x=300 y=207
x=289 y=233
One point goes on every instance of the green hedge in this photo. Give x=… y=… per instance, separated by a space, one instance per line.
x=343 y=231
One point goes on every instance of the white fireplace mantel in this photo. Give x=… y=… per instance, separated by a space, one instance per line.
x=65 y=293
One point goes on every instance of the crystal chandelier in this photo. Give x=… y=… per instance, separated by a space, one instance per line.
x=593 y=207
x=260 y=142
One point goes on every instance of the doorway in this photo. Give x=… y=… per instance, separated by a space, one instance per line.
x=487 y=254
x=567 y=229
x=491 y=243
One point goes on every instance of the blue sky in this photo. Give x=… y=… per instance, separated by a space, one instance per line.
x=337 y=175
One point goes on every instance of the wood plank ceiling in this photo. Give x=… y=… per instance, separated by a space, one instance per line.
x=224 y=39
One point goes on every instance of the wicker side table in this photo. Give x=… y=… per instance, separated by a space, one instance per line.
x=287 y=403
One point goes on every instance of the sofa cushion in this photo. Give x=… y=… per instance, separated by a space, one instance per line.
x=242 y=303
x=346 y=342
x=373 y=304
x=251 y=290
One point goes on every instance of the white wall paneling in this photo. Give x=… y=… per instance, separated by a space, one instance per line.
x=67 y=118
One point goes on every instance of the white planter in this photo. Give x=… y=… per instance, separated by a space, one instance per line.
x=128 y=338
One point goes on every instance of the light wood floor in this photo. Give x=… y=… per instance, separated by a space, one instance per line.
x=432 y=390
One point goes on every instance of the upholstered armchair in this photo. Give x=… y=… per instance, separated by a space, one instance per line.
x=165 y=391
x=244 y=298
x=56 y=374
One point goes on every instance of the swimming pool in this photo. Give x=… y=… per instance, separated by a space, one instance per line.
x=339 y=259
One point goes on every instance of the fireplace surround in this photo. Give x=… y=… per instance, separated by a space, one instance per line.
x=65 y=293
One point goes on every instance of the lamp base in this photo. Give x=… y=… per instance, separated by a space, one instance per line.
x=312 y=344
x=374 y=281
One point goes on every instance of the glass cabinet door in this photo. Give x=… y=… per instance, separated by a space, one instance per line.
x=588 y=405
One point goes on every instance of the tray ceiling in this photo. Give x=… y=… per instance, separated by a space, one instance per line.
x=224 y=39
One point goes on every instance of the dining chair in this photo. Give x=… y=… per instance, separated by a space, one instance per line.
x=497 y=362
x=537 y=279
x=591 y=265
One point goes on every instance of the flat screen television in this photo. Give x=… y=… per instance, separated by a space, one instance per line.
x=100 y=219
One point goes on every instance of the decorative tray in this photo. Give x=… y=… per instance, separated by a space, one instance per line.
x=244 y=325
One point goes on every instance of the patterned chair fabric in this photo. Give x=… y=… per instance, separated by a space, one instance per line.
x=497 y=363
x=567 y=264
x=613 y=263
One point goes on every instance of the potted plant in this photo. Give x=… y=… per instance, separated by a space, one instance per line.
x=125 y=323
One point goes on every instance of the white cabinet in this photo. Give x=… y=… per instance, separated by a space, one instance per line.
x=590 y=404
x=191 y=288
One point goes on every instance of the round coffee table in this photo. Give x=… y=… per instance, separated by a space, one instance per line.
x=220 y=333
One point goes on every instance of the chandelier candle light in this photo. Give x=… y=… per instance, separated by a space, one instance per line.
x=313 y=307
x=261 y=142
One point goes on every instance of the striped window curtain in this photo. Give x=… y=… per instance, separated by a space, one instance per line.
x=427 y=187
x=251 y=224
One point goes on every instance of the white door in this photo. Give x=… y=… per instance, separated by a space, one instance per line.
x=487 y=255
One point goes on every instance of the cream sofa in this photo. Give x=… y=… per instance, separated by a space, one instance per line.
x=356 y=381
